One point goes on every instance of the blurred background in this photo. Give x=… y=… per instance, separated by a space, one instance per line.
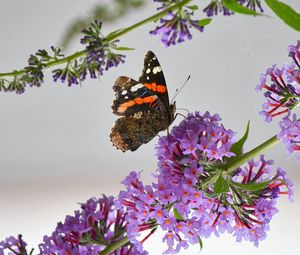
x=54 y=140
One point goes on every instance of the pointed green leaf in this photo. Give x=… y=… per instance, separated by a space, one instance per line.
x=113 y=33
x=193 y=7
x=237 y=147
x=221 y=185
x=286 y=13
x=234 y=6
x=252 y=186
x=200 y=243
x=204 y=22
x=177 y=214
x=123 y=48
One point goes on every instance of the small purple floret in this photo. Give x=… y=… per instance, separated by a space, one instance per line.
x=290 y=134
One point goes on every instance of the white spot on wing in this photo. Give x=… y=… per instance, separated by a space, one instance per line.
x=136 y=87
x=138 y=115
x=156 y=69
x=124 y=92
x=126 y=97
x=148 y=70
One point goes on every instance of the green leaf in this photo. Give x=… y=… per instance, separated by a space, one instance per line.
x=112 y=34
x=286 y=13
x=193 y=7
x=237 y=147
x=252 y=186
x=123 y=48
x=234 y=6
x=221 y=185
x=204 y=22
x=177 y=214
x=200 y=243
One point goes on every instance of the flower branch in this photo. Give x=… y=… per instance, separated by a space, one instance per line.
x=232 y=166
x=117 y=245
x=97 y=56
x=176 y=18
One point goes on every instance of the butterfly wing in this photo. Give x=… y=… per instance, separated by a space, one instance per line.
x=143 y=105
x=132 y=97
x=153 y=78
x=130 y=132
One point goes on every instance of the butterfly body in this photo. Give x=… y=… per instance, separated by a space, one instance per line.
x=143 y=106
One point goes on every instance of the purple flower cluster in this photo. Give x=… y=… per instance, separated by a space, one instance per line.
x=216 y=6
x=183 y=201
x=282 y=86
x=99 y=54
x=200 y=137
x=258 y=207
x=13 y=246
x=294 y=53
x=252 y=4
x=89 y=231
x=290 y=134
x=33 y=73
x=99 y=57
x=175 y=27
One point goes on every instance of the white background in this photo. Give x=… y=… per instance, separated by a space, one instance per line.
x=54 y=140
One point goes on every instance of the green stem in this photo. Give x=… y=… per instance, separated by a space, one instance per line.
x=109 y=38
x=232 y=166
x=114 y=246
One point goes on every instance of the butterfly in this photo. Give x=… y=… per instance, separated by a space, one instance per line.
x=143 y=106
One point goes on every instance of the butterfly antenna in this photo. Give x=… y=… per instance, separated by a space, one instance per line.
x=178 y=90
x=182 y=109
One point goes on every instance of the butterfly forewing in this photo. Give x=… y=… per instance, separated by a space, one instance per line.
x=132 y=97
x=153 y=78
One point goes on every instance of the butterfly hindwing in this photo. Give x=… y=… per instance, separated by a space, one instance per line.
x=130 y=132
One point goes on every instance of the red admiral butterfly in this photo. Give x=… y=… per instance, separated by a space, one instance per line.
x=144 y=105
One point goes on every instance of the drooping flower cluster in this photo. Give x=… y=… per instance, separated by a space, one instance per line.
x=13 y=246
x=252 y=4
x=254 y=198
x=283 y=95
x=282 y=86
x=175 y=26
x=33 y=73
x=193 y=197
x=89 y=231
x=100 y=56
x=290 y=134
x=217 y=6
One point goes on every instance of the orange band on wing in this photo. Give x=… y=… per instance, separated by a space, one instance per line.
x=139 y=100
x=156 y=88
x=161 y=89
